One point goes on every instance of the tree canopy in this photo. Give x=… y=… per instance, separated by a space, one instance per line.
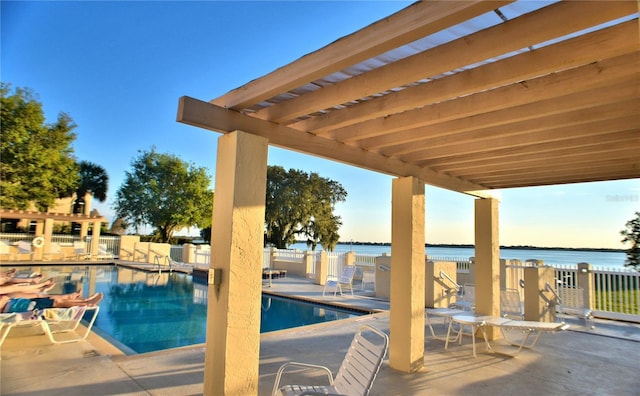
x=301 y=205
x=631 y=235
x=166 y=193
x=37 y=158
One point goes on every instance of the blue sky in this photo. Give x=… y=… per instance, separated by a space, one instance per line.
x=118 y=69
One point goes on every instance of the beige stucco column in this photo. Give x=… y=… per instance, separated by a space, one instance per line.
x=406 y=348
x=38 y=253
x=48 y=236
x=487 y=259
x=233 y=313
x=95 y=238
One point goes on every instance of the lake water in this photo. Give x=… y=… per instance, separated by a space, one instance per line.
x=550 y=257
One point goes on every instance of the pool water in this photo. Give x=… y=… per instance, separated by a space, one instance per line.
x=144 y=312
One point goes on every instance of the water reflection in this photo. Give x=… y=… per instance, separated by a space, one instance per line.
x=150 y=311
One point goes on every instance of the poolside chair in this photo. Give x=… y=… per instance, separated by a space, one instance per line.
x=5 y=250
x=368 y=276
x=510 y=304
x=336 y=283
x=467 y=299
x=103 y=252
x=356 y=374
x=80 y=250
x=24 y=247
x=571 y=302
x=55 y=250
x=53 y=321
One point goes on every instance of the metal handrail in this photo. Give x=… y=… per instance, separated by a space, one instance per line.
x=447 y=277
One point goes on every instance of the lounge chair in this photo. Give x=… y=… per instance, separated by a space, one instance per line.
x=103 y=253
x=53 y=321
x=510 y=305
x=526 y=328
x=356 y=374
x=55 y=251
x=80 y=250
x=571 y=302
x=467 y=299
x=368 y=276
x=24 y=247
x=336 y=283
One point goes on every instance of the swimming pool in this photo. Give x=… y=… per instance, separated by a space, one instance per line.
x=145 y=312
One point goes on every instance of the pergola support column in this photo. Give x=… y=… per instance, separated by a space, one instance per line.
x=233 y=314
x=487 y=259
x=406 y=348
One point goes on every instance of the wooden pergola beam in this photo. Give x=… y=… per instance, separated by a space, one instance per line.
x=30 y=215
x=414 y=22
x=525 y=31
x=212 y=117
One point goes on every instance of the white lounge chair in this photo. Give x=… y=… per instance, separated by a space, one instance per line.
x=24 y=247
x=53 y=321
x=510 y=305
x=54 y=251
x=572 y=303
x=79 y=248
x=356 y=374
x=467 y=299
x=103 y=252
x=525 y=328
x=336 y=283
x=368 y=276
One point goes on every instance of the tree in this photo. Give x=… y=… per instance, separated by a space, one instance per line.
x=632 y=234
x=301 y=205
x=166 y=193
x=94 y=180
x=37 y=165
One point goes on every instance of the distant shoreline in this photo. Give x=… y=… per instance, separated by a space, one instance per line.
x=521 y=247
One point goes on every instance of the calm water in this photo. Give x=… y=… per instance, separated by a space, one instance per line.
x=550 y=257
x=144 y=312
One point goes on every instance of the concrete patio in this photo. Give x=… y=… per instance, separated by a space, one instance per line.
x=602 y=361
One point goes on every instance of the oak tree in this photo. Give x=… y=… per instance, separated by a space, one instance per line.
x=164 y=192
x=301 y=205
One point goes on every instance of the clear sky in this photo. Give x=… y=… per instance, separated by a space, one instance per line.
x=118 y=69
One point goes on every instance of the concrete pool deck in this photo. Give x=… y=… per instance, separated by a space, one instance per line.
x=574 y=362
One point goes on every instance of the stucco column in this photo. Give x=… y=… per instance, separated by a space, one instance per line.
x=95 y=238
x=539 y=302
x=322 y=268
x=38 y=253
x=48 y=235
x=487 y=259
x=406 y=348
x=233 y=313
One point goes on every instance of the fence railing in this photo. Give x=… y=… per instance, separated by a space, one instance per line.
x=111 y=242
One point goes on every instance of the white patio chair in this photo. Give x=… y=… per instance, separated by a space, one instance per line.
x=356 y=374
x=24 y=247
x=510 y=304
x=466 y=300
x=103 y=252
x=368 y=276
x=79 y=248
x=336 y=283
x=572 y=303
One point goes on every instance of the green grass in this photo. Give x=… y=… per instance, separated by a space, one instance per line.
x=623 y=301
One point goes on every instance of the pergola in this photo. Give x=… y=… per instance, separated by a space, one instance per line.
x=470 y=96
x=44 y=225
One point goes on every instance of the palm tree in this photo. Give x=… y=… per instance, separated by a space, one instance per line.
x=94 y=180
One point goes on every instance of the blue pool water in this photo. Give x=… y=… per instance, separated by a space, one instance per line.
x=144 y=312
